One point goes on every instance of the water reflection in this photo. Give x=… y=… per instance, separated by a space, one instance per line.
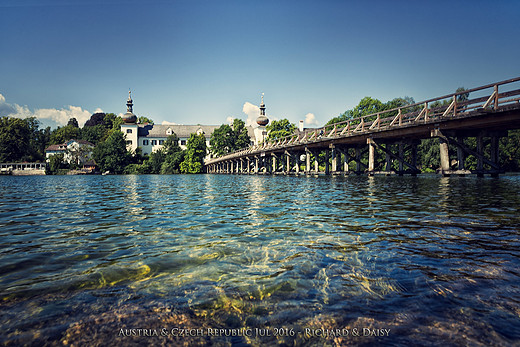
x=428 y=257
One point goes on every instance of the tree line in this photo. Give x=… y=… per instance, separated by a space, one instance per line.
x=21 y=140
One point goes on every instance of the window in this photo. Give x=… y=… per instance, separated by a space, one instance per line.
x=161 y=142
x=145 y=142
x=154 y=142
x=128 y=131
x=183 y=142
x=129 y=142
x=169 y=131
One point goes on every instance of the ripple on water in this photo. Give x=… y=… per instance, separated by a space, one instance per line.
x=431 y=258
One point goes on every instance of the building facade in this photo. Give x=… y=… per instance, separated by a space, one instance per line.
x=151 y=137
x=74 y=151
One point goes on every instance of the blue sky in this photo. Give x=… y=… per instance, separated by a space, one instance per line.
x=191 y=62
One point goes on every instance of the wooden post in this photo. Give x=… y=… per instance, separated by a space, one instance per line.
x=297 y=160
x=445 y=156
x=414 y=156
x=248 y=166
x=316 y=163
x=307 y=161
x=274 y=163
x=358 y=160
x=401 y=156
x=388 y=159
x=288 y=163
x=371 y=155
x=327 y=164
x=346 y=158
x=496 y=96
x=334 y=159
x=256 y=165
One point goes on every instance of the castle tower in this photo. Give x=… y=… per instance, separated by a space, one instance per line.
x=130 y=127
x=262 y=121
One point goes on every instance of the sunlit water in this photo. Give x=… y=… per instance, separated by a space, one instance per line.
x=416 y=260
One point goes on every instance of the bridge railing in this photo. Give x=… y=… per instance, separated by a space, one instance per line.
x=447 y=106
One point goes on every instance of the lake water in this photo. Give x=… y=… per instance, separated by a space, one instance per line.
x=259 y=260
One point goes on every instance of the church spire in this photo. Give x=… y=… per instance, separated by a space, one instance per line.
x=262 y=106
x=262 y=119
x=129 y=117
x=129 y=103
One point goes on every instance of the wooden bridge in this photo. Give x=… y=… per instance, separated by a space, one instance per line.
x=393 y=136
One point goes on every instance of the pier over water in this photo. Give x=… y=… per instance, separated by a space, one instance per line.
x=489 y=114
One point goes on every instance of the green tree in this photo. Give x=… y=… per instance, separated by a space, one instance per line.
x=143 y=120
x=280 y=128
x=95 y=119
x=112 y=155
x=195 y=153
x=63 y=134
x=94 y=134
x=73 y=122
x=55 y=164
x=174 y=155
x=42 y=141
x=227 y=139
x=221 y=140
x=241 y=135
x=19 y=139
x=154 y=163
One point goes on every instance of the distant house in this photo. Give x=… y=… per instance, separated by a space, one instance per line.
x=74 y=151
x=90 y=166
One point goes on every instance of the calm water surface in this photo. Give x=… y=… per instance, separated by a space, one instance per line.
x=424 y=261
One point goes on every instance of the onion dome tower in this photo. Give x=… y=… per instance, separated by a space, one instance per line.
x=262 y=120
x=260 y=131
x=129 y=117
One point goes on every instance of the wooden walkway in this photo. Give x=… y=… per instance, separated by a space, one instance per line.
x=493 y=111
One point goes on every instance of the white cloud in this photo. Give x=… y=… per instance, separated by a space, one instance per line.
x=44 y=115
x=252 y=112
x=165 y=122
x=98 y=110
x=230 y=119
x=310 y=119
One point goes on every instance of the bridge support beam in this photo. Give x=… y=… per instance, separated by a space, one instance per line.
x=443 y=151
x=307 y=161
x=371 y=156
x=327 y=164
x=334 y=154
x=358 y=161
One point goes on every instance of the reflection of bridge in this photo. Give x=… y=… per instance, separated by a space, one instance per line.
x=494 y=109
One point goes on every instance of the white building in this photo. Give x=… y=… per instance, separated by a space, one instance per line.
x=151 y=137
x=77 y=151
